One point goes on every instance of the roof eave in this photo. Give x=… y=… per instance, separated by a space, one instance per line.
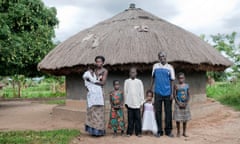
x=140 y=66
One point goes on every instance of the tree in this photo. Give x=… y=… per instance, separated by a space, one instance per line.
x=226 y=44
x=26 y=35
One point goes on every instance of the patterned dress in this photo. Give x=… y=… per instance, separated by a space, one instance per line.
x=116 y=120
x=182 y=114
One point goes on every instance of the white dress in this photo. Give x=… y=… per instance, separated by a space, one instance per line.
x=149 y=121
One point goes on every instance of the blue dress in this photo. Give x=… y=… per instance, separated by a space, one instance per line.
x=182 y=114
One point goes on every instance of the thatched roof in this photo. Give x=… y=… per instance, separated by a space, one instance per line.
x=132 y=37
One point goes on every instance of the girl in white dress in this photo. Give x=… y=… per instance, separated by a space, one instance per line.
x=149 y=122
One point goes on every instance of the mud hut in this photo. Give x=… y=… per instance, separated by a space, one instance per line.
x=133 y=38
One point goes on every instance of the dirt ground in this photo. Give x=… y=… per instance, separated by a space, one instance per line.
x=221 y=127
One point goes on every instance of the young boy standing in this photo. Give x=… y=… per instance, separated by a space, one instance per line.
x=134 y=98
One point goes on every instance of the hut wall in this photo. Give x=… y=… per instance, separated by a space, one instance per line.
x=77 y=91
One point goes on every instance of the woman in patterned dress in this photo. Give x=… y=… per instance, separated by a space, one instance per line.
x=95 y=118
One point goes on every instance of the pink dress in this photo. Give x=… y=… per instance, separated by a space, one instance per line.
x=149 y=121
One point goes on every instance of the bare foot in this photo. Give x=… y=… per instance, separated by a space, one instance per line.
x=185 y=135
x=79 y=138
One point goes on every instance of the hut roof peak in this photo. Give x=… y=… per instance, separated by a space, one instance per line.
x=132 y=6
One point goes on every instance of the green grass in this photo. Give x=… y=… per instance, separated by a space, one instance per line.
x=63 y=136
x=227 y=93
x=59 y=102
x=42 y=90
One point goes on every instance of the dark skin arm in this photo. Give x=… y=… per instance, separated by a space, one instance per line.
x=188 y=93
x=110 y=98
x=122 y=102
x=152 y=83
x=172 y=87
x=143 y=109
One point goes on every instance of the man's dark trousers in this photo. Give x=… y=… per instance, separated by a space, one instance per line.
x=168 y=113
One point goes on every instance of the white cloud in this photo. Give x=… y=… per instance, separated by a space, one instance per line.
x=197 y=16
x=204 y=16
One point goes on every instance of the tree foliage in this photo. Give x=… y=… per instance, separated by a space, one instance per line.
x=26 y=35
x=226 y=43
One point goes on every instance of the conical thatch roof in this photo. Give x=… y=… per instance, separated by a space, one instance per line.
x=133 y=36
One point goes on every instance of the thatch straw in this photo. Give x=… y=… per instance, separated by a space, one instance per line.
x=133 y=36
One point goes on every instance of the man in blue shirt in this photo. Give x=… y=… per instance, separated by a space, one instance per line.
x=163 y=76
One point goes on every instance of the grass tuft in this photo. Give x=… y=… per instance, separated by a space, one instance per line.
x=62 y=136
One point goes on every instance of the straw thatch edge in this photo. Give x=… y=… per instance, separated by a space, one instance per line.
x=140 y=66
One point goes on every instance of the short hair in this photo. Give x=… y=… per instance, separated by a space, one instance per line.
x=100 y=57
x=162 y=52
x=114 y=81
x=180 y=74
x=149 y=91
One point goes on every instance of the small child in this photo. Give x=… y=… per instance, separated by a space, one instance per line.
x=95 y=94
x=149 y=122
x=134 y=98
x=116 y=121
x=181 y=107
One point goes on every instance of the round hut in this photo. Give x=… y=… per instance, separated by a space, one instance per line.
x=133 y=38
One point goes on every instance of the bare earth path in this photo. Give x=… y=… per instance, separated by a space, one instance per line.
x=221 y=127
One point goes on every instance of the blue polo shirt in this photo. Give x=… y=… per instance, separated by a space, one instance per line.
x=163 y=75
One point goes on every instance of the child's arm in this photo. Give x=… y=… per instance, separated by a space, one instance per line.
x=110 y=99
x=175 y=96
x=143 y=109
x=141 y=93
x=189 y=96
x=122 y=102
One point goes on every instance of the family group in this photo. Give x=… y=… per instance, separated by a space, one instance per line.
x=144 y=111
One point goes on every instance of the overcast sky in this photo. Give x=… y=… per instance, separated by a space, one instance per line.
x=197 y=16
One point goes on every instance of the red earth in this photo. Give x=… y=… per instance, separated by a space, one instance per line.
x=221 y=127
